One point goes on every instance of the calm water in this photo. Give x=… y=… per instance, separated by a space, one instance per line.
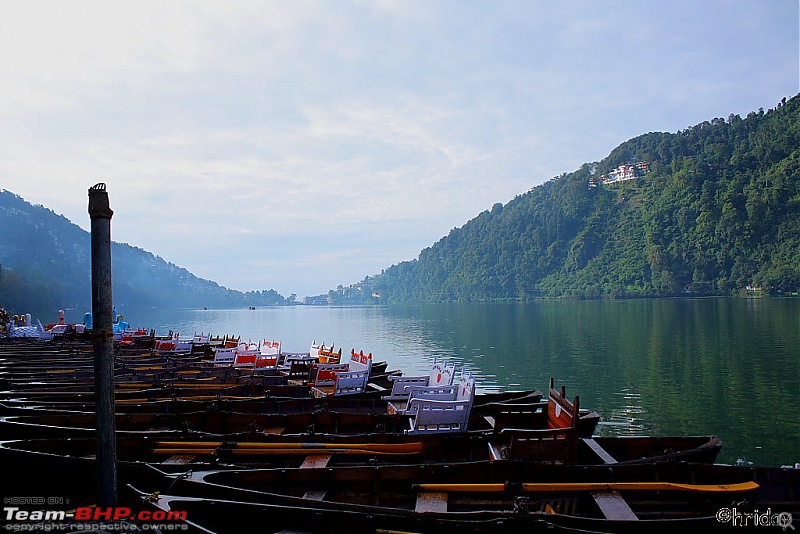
x=729 y=367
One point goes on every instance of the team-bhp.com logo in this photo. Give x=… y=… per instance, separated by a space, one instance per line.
x=88 y=513
x=115 y=518
x=755 y=518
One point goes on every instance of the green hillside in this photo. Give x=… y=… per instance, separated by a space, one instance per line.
x=716 y=211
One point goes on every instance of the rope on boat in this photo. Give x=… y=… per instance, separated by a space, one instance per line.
x=416 y=446
x=303 y=452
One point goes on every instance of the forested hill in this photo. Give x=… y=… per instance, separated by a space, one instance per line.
x=707 y=211
x=717 y=211
x=45 y=264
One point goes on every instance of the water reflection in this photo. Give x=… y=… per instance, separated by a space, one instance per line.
x=706 y=366
x=628 y=417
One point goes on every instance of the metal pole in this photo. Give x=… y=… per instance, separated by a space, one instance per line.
x=103 y=343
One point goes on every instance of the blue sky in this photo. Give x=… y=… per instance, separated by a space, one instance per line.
x=299 y=145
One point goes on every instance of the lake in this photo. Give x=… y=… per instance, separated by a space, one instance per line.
x=729 y=367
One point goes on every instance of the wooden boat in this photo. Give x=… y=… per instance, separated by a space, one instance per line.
x=484 y=404
x=480 y=497
x=174 y=344
x=347 y=415
x=159 y=374
x=343 y=415
x=148 y=459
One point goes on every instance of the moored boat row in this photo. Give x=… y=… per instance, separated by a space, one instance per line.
x=279 y=448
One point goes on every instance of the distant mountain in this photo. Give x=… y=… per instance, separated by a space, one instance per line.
x=710 y=210
x=45 y=264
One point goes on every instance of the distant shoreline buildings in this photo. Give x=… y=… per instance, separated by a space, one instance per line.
x=626 y=171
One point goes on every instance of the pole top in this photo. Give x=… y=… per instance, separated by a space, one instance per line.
x=98 y=202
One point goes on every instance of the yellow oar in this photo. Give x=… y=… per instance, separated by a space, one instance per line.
x=586 y=486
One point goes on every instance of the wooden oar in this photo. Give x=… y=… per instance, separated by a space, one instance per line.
x=585 y=486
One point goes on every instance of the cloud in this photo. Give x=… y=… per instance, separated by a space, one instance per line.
x=367 y=130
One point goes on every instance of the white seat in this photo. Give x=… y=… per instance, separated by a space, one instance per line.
x=324 y=374
x=269 y=354
x=441 y=374
x=430 y=416
x=350 y=380
x=440 y=393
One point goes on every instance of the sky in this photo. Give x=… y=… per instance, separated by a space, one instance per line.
x=299 y=145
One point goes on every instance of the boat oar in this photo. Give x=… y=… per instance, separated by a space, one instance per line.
x=584 y=486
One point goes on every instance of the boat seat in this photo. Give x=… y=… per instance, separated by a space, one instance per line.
x=315 y=495
x=324 y=374
x=350 y=380
x=431 y=501
x=554 y=445
x=179 y=459
x=315 y=461
x=519 y=415
x=442 y=393
x=441 y=374
x=613 y=506
x=298 y=370
x=490 y=421
x=600 y=451
x=431 y=416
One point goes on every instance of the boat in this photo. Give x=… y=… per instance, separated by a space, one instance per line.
x=23 y=328
x=174 y=377
x=149 y=458
x=325 y=354
x=479 y=497
x=216 y=414
x=175 y=345
x=62 y=330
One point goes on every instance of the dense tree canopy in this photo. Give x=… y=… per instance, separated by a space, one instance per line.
x=719 y=210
